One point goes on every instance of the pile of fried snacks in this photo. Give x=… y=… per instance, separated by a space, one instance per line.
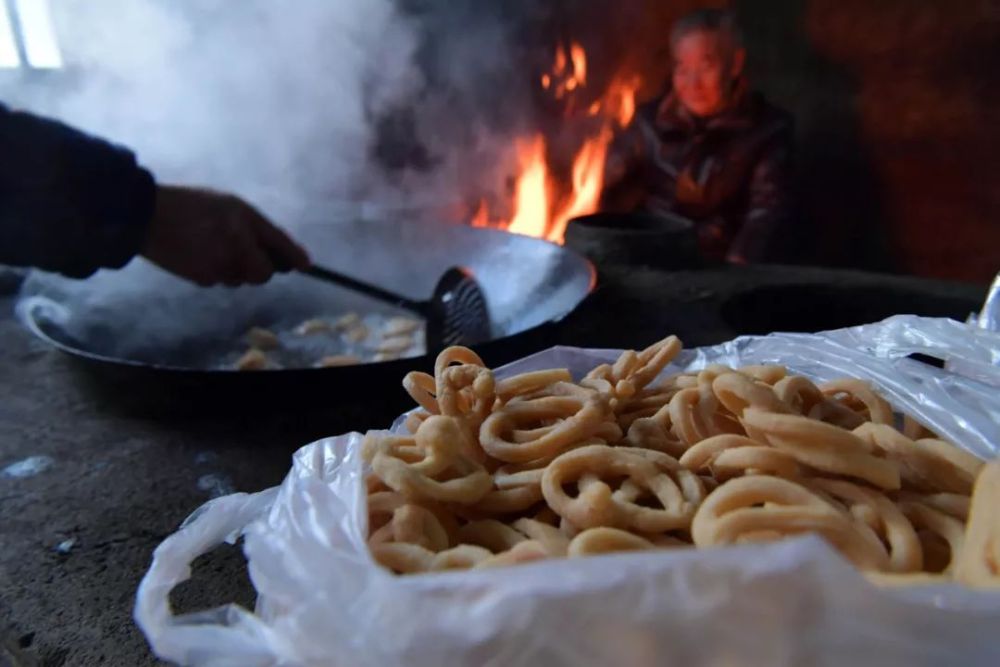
x=497 y=472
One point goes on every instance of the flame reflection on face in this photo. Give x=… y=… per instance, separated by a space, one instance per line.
x=705 y=67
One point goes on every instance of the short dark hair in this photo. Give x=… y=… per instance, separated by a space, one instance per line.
x=711 y=20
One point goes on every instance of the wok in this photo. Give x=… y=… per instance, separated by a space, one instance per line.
x=147 y=335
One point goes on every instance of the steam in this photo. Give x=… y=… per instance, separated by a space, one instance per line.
x=270 y=99
x=310 y=108
x=314 y=110
x=452 y=137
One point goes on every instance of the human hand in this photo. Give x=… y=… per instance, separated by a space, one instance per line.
x=210 y=237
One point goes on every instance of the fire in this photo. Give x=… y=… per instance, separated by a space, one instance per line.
x=579 y=58
x=481 y=218
x=531 y=195
x=588 y=181
x=543 y=204
x=569 y=71
x=625 y=102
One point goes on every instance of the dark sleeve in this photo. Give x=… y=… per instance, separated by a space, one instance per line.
x=769 y=208
x=69 y=202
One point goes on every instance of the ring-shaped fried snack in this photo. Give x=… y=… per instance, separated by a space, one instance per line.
x=443 y=441
x=578 y=419
x=760 y=508
x=658 y=477
x=823 y=447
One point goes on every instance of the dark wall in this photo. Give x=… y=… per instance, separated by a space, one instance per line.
x=898 y=110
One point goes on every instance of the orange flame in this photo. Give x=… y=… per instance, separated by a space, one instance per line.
x=481 y=218
x=560 y=65
x=588 y=181
x=570 y=72
x=579 y=58
x=542 y=206
x=531 y=194
x=622 y=96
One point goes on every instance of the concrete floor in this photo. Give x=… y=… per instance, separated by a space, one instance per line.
x=95 y=488
x=76 y=537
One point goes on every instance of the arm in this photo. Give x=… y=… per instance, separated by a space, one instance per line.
x=69 y=202
x=212 y=237
x=768 y=208
x=73 y=203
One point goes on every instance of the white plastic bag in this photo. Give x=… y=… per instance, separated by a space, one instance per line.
x=323 y=601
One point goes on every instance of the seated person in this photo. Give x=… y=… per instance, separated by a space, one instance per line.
x=711 y=150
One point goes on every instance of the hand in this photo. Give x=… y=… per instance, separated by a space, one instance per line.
x=209 y=238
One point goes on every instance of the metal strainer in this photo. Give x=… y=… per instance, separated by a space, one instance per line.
x=456 y=314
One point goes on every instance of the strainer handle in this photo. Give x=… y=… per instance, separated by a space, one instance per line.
x=337 y=278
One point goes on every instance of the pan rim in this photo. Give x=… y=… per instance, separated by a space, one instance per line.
x=31 y=314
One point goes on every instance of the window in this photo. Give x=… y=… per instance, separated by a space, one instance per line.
x=27 y=35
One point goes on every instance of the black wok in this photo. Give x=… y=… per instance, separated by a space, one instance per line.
x=149 y=336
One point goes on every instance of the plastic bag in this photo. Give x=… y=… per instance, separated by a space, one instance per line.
x=323 y=601
x=989 y=316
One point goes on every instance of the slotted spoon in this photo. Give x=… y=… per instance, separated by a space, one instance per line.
x=456 y=314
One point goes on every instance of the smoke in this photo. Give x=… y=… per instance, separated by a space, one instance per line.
x=481 y=66
x=314 y=110
x=451 y=138
x=309 y=107
x=270 y=99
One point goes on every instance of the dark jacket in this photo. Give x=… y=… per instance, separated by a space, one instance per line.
x=69 y=202
x=730 y=174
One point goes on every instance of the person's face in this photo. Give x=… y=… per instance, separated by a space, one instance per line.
x=704 y=69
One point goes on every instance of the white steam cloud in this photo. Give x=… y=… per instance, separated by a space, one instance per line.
x=271 y=99
x=313 y=110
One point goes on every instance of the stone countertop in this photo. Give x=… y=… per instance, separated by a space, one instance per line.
x=102 y=487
